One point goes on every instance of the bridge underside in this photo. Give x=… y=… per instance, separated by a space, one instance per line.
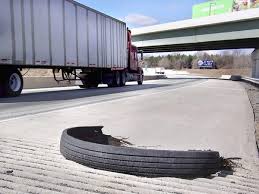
x=227 y=31
x=232 y=35
x=214 y=45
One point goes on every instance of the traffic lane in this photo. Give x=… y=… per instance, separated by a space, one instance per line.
x=150 y=118
x=32 y=102
x=56 y=94
x=211 y=115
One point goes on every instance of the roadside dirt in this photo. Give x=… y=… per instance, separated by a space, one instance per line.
x=253 y=94
x=37 y=73
x=220 y=72
x=44 y=82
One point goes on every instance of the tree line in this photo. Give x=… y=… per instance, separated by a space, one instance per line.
x=225 y=60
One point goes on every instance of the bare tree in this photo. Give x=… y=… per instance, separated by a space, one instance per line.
x=226 y=59
x=164 y=62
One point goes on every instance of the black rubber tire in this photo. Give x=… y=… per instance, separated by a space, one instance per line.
x=141 y=78
x=117 y=79
x=6 y=90
x=123 y=78
x=236 y=77
x=143 y=162
x=83 y=86
x=89 y=84
x=1 y=83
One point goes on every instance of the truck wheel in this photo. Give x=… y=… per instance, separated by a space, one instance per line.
x=89 y=81
x=123 y=78
x=88 y=85
x=1 y=84
x=82 y=86
x=12 y=84
x=85 y=84
x=94 y=85
x=117 y=78
x=141 y=78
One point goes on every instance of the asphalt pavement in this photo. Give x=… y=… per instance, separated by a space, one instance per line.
x=175 y=114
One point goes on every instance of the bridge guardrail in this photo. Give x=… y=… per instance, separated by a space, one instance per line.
x=252 y=81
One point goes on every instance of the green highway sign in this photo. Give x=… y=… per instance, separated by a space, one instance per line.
x=215 y=7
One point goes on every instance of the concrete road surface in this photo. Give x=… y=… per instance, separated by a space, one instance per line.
x=178 y=114
x=166 y=114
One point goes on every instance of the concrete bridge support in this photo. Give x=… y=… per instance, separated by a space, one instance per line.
x=255 y=68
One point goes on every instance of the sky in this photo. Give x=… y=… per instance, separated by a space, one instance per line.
x=137 y=13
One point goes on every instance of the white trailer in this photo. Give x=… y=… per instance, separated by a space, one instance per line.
x=64 y=35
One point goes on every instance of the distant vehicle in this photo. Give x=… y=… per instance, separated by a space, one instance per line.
x=207 y=64
x=160 y=70
x=67 y=37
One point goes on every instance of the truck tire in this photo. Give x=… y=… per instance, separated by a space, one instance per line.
x=82 y=86
x=1 y=90
x=89 y=85
x=141 y=78
x=116 y=80
x=90 y=82
x=1 y=84
x=86 y=85
x=11 y=83
x=123 y=78
x=88 y=146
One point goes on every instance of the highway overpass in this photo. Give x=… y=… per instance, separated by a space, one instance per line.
x=226 y=31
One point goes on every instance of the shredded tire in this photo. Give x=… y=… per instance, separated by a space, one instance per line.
x=94 y=151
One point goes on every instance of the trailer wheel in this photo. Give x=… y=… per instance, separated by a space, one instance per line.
x=117 y=79
x=141 y=78
x=89 y=81
x=94 y=85
x=123 y=78
x=1 y=85
x=88 y=85
x=85 y=84
x=12 y=83
x=82 y=86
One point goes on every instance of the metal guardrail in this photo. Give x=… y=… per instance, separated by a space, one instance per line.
x=252 y=81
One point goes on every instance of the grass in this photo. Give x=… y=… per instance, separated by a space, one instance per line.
x=219 y=72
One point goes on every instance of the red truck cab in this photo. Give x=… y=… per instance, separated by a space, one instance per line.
x=134 y=69
x=133 y=54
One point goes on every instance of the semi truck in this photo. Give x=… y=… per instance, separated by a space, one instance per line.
x=74 y=41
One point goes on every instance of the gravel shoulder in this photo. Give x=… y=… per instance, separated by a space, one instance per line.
x=253 y=94
x=219 y=72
